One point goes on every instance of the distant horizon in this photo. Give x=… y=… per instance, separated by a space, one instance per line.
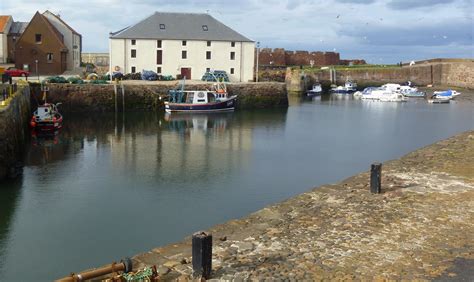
x=377 y=31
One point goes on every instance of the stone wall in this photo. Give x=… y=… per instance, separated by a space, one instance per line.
x=101 y=98
x=14 y=131
x=441 y=74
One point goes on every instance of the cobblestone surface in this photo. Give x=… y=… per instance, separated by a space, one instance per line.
x=418 y=228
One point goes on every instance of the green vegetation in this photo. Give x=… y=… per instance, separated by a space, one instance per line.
x=340 y=67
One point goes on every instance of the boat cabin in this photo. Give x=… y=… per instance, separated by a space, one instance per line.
x=44 y=112
x=195 y=97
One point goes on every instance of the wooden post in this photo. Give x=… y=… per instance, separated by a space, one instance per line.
x=202 y=254
x=376 y=178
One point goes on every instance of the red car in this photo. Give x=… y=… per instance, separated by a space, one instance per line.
x=14 y=72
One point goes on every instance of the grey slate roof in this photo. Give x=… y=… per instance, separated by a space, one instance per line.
x=18 y=27
x=180 y=26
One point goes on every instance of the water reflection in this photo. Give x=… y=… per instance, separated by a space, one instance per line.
x=9 y=196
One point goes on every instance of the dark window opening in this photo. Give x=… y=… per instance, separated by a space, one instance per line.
x=49 y=57
x=134 y=53
x=134 y=69
x=232 y=44
x=208 y=55
x=158 y=70
x=162 y=26
x=208 y=69
x=38 y=38
x=134 y=41
x=158 y=43
x=159 y=57
x=208 y=43
x=232 y=55
x=184 y=54
x=231 y=70
x=204 y=27
x=184 y=43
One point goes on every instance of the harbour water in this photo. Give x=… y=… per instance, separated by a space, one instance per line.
x=113 y=186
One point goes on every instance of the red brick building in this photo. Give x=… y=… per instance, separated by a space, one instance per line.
x=43 y=43
x=281 y=57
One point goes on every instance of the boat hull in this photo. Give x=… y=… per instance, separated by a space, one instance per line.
x=220 y=106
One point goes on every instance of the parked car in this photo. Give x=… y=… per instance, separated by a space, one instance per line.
x=14 y=72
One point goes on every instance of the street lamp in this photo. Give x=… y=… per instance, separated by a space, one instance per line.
x=256 y=71
x=37 y=73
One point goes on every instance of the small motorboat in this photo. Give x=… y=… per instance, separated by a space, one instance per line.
x=439 y=101
x=350 y=85
x=411 y=92
x=366 y=91
x=348 y=88
x=47 y=119
x=448 y=94
x=315 y=90
x=393 y=97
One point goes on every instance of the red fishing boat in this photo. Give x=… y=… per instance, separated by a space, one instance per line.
x=47 y=118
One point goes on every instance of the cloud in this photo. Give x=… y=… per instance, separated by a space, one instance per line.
x=410 y=4
x=367 y=29
x=356 y=1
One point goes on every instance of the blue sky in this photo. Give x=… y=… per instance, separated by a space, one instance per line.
x=380 y=31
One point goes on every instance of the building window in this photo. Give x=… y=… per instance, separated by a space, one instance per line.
x=204 y=27
x=158 y=44
x=159 y=57
x=134 y=42
x=184 y=54
x=158 y=70
x=162 y=26
x=184 y=43
x=232 y=55
x=49 y=57
x=208 y=43
x=232 y=44
x=231 y=70
x=208 y=55
x=134 y=69
x=208 y=69
x=134 y=53
x=38 y=38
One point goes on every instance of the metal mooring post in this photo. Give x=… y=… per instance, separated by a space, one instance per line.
x=376 y=178
x=202 y=254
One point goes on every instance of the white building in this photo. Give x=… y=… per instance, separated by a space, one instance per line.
x=182 y=43
x=71 y=38
x=5 y=23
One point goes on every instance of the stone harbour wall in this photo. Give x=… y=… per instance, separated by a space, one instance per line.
x=146 y=96
x=419 y=228
x=14 y=120
x=439 y=74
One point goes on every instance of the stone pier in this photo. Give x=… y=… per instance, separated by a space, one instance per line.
x=14 y=119
x=419 y=228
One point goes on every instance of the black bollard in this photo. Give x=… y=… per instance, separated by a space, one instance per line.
x=376 y=178
x=202 y=254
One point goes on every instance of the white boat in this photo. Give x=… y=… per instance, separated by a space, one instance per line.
x=348 y=88
x=393 y=97
x=387 y=93
x=439 y=101
x=412 y=92
x=315 y=90
x=366 y=91
x=448 y=94
x=350 y=85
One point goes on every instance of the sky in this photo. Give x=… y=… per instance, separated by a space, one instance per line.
x=379 y=31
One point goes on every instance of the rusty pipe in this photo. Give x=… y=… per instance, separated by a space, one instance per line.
x=125 y=265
